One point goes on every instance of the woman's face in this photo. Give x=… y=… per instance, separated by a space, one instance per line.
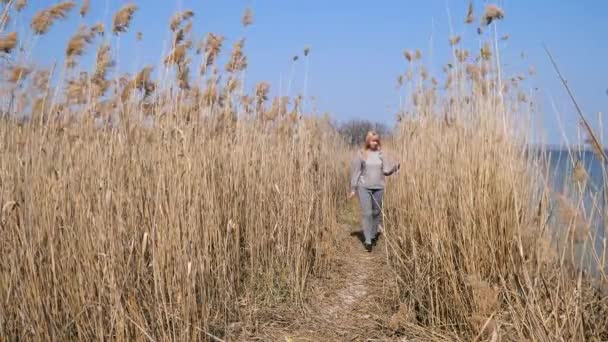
x=374 y=143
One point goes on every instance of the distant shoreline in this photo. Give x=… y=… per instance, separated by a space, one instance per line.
x=555 y=147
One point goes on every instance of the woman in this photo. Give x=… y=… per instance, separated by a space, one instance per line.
x=369 y=168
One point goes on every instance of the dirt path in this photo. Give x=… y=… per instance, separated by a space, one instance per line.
x=353 y=304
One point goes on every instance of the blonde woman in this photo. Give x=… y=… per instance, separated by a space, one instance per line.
x=369 y=168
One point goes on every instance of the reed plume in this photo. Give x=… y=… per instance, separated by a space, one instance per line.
x=454 y=40
x=44 y=19
x=143 y=81
x=20 y=5
x=470 y=17
x=103 y=62
x=8 y=42
x=247 y=17
x=180 y=35
x=18 y=73
x=178 y=54
x=124 y=88
x=262 y=90
x=462 y=55
x=238 y=60
x=78 y=42
x=213 y=45
x=491 y=13
x=84 y=8
x=122 y=18
x=408 y=55
x=400 y=81
x=177 y=19
x=99 y=28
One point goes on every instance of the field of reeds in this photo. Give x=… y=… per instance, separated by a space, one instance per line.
x=172 y=209
x=188 y=208
x=481 y=244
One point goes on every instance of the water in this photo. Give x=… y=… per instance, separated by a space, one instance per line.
x=588 y=196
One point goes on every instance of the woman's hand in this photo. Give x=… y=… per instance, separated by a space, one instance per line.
x=350 y=195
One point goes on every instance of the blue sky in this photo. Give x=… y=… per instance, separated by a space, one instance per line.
x=357 y=46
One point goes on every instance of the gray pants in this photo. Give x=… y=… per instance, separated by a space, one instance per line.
x=371 y=208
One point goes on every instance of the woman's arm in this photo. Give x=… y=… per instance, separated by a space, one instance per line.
x=355 y=173
x=389 y=166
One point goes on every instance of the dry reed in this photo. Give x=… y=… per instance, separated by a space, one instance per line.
x=176 y=229
x=491 y=13
x=135 y=208
x=20 y=5
x=18 y=73
x=44 y=19
x=84 y=8
x=247 y=19
x=123 y=18
x=470 y=16
x=474 y=241
x=8 y=42
x=78 y=42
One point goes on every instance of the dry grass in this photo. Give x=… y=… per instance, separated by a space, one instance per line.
x=180 y=208
x=469 y=224
x=113 y=227
x=166 y=232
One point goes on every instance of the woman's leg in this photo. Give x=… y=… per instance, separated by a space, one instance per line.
x=367 y=221
x=377 y=197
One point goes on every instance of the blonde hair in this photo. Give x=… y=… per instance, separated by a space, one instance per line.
x=369 y=137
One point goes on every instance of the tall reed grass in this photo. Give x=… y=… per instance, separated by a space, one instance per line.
x=469 y=224
x=171 y=209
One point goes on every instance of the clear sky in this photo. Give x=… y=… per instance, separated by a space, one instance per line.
x=357 y=47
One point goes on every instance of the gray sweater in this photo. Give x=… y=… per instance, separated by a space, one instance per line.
x=369 y=172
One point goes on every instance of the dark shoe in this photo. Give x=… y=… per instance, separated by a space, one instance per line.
x=376 y=238
x=368 y=247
